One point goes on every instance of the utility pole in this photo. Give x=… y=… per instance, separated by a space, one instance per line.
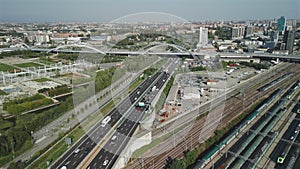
x=243 y=95
x=174 y=138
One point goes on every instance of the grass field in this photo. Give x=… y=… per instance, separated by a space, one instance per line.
x=5 y=67
x=28 y=64
x=47 y=61
x=42 y=80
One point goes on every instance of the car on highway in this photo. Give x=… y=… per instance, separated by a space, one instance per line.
x=77 y=150
x=105 y=121
x=113 y=139
x=292 y=138
x=63 y=167
x=105 y=162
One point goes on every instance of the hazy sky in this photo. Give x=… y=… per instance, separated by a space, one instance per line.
x=107 y=10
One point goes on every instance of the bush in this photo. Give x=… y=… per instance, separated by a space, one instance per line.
x=256 y=66
x=199 y=68
x=21 y=105
x=56 y=91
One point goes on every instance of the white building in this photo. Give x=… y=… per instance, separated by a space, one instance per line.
x=191 y=93
x=238 y=32
x=42 y=38
x=203 y=37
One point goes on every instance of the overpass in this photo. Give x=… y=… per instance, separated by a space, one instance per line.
x=263 y=56
x=187 y=54
x=180 y=52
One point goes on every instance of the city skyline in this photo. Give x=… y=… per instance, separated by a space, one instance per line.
x=106 y=11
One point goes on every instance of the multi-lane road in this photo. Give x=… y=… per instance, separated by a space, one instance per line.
x=77 y=153
x=72 y=158
x=110 y=152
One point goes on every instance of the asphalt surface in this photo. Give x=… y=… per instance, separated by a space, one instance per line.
x=109 y=154
x=73 y=158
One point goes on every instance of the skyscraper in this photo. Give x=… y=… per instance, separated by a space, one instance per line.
x=203 y=37
x=288 y=39
x=281 y=23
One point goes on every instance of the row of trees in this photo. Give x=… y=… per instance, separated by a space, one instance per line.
x=224 y=33
x=168 y=86
x=18 y=138
x=149 y=72
x=104 y=78
x=22 y=53
x=109 y=59
x=257 y=66
x=141 y=40
x=69 y=56
x=23 y=100
x=14 y=139
x=22 y=105
x=198 y=68
x=58 y=90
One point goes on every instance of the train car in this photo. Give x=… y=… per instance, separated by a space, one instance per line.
x=283 y=155
x=296 y=108
x=287 y=148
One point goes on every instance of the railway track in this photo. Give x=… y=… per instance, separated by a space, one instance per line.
x=187 y=141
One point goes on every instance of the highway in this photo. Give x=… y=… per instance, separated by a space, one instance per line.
x=110 y=152
x=72 y=158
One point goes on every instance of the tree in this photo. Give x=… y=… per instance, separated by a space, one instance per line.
x=177 y=164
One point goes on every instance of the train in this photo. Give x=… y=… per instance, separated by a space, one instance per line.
x=258 y=109
x=288 y=147
x=274 y=82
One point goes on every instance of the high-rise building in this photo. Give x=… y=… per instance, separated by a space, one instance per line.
x=288 y=39
x=281 y=23
x=203 y=37
x=273 y=24
x=274 y=36
x=237 y=32
x=249 y=31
